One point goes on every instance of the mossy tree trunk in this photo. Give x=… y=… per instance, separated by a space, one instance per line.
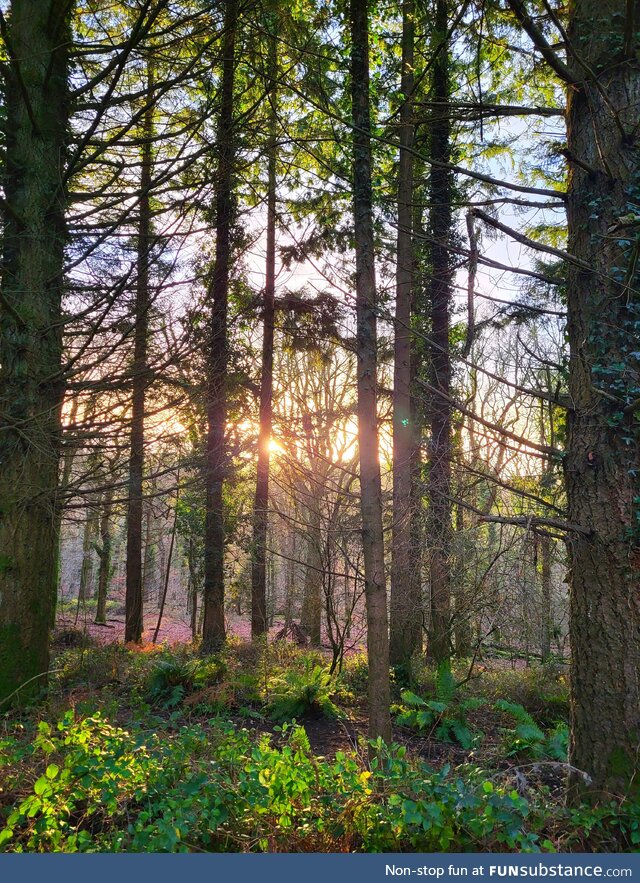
x=311 y=613
x=603 y=451
x=546 y=624
x=89 y=538
x=105 y=555
x=462 y=629
x=37 y=38
x=602 y=463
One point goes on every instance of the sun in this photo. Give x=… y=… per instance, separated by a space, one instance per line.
x=275 y=447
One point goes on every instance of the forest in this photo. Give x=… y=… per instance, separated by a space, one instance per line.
x=319 y=426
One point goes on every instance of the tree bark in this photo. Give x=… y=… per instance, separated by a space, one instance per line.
x=261 y=502
x=311 y=615
x=602 y=463
x=105 y=554
x=89 y=537
x=366 y=344
x=192 y=590
x=213 y=625
x=405 y=576
x=439 y=528
x=166 y=571
x=149 y=547
x=462 y=631
x=69 y=448
x=37 y=39
x=134 y=601
x=545 y=591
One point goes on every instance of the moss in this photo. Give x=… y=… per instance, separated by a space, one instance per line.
x=13 y=663
x=623 y=767
x=7 y=564
x=23 y=668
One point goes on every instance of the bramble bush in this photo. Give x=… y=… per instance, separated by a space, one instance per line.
x=98 y=787
x=103 y=788
x=173 y=777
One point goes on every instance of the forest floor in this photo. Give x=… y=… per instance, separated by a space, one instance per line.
x=175 y=628
x=326 y=734
x=258 y=748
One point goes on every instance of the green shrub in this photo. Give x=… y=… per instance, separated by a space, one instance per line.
x=296 y=694
x=92 y=769
x=88 y=786
x=542 y=690
x=171 y=679
x=528 y=739
x=444 y=716
x=355 y=673
x=110 y=664
x=610 y=827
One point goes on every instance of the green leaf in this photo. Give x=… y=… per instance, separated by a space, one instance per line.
x=52 y=771
x=445 y=683
x=463 y=734
x=42 y=787
x=438 y=707
x=31 y=806
x=424 y=719
x=529 y=733
x=411 y=698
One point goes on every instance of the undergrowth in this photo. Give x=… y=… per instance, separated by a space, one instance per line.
x=526 y=738
x=445 y=716
x=86 y=785
x=146 y=751
x=294 y=694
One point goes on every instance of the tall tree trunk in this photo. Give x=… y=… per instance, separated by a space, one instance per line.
x=89 y=537
x=405 y=577
x=37 y=39
x=546 y=606
x=161 y=566
x=272 y=581
x=193 y=590
x=148 y=550
x=462 y=621
x=439 y=528
x=290 y=577
x=370 y=485
x=311 y=616
x=166 y=571
x=104 y=571
x=419 y=365
x=261 y=502
x=602 y=462
x=69 y=448
x=547 y=611
x=134 y=603
x=213 y=626
x=603 y=444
